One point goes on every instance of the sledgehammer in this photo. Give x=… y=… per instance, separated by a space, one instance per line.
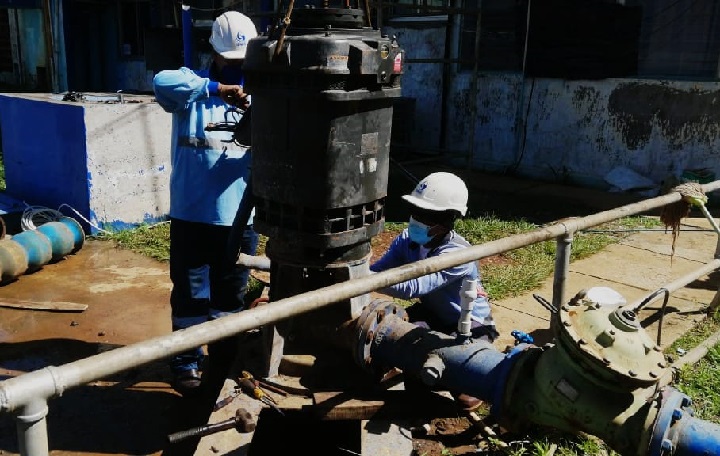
x=242 y=421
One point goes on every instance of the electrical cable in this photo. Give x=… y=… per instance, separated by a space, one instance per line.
x=83 y=218
x=34 y=216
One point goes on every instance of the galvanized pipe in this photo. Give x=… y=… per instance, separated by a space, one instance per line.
x=677 y=283
x=32 y=428
x=18 y=392
x=563 y=245
x=258 y=262
x=187 y=36
x=51 y=381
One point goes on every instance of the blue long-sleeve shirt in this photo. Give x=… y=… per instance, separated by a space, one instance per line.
x=439 y=291
x=209 y=171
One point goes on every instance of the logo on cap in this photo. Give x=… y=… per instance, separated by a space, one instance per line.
x=421 y=187
x=240 y=40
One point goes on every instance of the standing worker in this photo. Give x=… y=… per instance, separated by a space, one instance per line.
x=208 y=179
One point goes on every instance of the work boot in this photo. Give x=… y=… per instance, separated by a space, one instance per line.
x=187 y=382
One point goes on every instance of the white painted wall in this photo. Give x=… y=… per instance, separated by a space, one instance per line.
x=128 y=161
x=574 y=131
x=109 y=161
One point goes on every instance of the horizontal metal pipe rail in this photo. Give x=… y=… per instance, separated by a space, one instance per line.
x=19 y=392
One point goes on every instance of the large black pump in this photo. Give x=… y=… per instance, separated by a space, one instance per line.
x=322 y=98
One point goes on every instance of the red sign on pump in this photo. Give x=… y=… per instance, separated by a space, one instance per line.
x=397 y=64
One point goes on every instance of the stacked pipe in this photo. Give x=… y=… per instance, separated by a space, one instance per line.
x=30 y=250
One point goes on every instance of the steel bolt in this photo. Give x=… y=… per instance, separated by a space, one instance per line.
x=677 y=414
x=432 y=370
x=653 y=374
x=666 y=445
x=632 y=373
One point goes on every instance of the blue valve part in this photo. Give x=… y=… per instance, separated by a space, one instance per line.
x=522 y=337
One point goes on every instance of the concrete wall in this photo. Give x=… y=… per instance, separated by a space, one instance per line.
x=110 y=162
x=562 y=130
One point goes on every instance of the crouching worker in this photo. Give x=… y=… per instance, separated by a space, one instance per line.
x=436 y=203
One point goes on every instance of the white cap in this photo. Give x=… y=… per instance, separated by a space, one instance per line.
x=440 y=192
x=605 y=296
x=231 y=33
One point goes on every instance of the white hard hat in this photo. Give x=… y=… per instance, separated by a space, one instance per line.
x=231 y=32
x=440 y=192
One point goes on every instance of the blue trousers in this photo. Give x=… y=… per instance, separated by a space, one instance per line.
x=207 y=282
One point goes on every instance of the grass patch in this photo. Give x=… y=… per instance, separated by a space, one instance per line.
x=699 y=381
x=701 y=331
x=525 y=269
x=149 y=240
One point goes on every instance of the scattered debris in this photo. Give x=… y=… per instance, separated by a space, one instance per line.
x=57 y=306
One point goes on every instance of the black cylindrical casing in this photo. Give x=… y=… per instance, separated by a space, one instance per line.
x=322 y=118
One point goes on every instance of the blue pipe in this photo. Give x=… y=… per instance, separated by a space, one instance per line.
x=187 y=36
x=476 y=368
x=677 y=432
x=386 y=339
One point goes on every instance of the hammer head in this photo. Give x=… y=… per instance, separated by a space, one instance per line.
x=244 y=421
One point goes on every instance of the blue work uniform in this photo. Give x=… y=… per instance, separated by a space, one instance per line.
x=208 y=179
x=439 y=292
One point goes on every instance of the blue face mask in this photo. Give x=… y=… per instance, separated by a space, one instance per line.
x=418 y=232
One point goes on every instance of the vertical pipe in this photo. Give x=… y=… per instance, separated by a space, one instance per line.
x=379 y=15
x=32 y=428
x=715 y=303
x=474 y=85
x=468 y=293
x=187 y=36
x=562 y=265
x=49 y=47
